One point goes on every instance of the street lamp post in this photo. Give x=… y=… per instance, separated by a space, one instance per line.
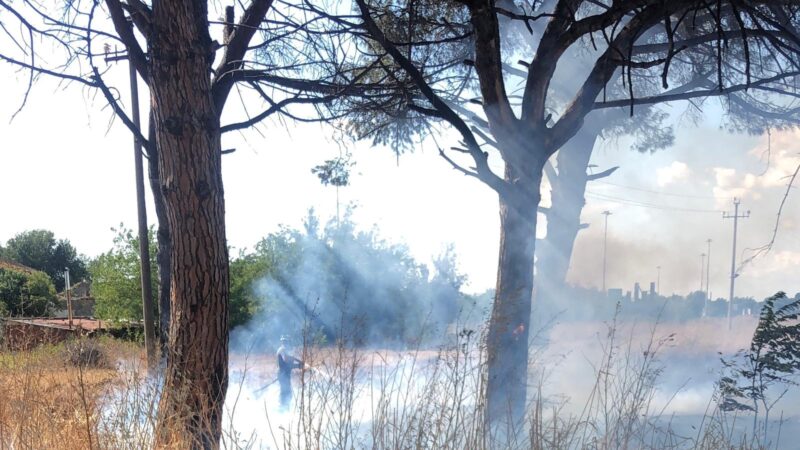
x=605 y=247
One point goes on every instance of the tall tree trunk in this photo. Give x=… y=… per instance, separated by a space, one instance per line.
x=568 y=188
x=163 y=241
x=507 y=340
x=188 y=139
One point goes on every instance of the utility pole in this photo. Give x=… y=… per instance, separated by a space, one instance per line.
x=144 y=239
x=69 y=297
x=605 y=247
x=702 y=270
x=735 y=218
x=708 y=278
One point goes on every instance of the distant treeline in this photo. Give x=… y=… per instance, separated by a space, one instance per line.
x=331 y=279
x=32 y=265
x=578 y=303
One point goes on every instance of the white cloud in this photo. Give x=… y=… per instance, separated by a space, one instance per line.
x=674 y=172
x=779 y=157
x=786 y=259
x=775 y=262
x=724 y=177
x=780 y=154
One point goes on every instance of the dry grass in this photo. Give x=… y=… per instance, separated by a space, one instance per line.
x=49 y=402
x=353 y=399
x=699 y=336
x=434 y=400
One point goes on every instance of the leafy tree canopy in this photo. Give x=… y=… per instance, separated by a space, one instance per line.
x=773 y=357
x=343 y=283
x=773 y=360
x=25 y=293
x=334 y=172
x=39 y=249
x=116 y=277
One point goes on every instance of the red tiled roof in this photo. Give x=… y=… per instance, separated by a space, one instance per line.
x=77 y=322
x=11 y=265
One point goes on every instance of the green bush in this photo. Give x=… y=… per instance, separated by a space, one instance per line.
x=116 y=278
x=342 y=282
x=26 y=294
x=40 y=250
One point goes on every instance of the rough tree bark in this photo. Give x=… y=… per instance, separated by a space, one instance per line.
x=507 y=339
x=567 y=189
x=164 y=242
x=188 y=140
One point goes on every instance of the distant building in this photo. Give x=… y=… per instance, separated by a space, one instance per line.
x=82 y=301
x=26 y=333
x=653 y=292
x=81 y=289
x=637 y=292
x=615 y=294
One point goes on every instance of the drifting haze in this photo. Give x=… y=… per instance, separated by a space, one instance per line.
x=666 y=205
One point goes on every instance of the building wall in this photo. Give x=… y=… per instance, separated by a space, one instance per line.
x=20 y=336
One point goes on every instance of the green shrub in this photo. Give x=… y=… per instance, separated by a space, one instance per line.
x=116 y=278
x=26 y=294
x=85 y=353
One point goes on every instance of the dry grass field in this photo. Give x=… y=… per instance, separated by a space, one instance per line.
x=50 y=397
x=95 y=395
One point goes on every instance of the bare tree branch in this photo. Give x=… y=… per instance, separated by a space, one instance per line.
x=766 y=248
x=489 y=66
x=125 y=31
x=692 y=94
x=603 y=174
x=482 y=168
x=235 y=50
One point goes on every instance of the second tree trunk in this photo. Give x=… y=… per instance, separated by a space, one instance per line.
x=507 y=340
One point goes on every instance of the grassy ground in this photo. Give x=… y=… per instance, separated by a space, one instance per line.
x=49 y=401
x=64 y=397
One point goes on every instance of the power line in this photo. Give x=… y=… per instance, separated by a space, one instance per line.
x=651 y=191
x=626 y=201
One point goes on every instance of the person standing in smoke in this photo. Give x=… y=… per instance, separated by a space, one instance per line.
x=286 y=363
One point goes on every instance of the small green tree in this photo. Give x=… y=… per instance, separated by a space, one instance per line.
x=272 y=254
x=26 y=294
x=116 y=277
x=344 y=284
x=245 y=269
x=773 y=359
x=40 y=250
x=10 y=288
x=335 y=172
x=39 y=293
